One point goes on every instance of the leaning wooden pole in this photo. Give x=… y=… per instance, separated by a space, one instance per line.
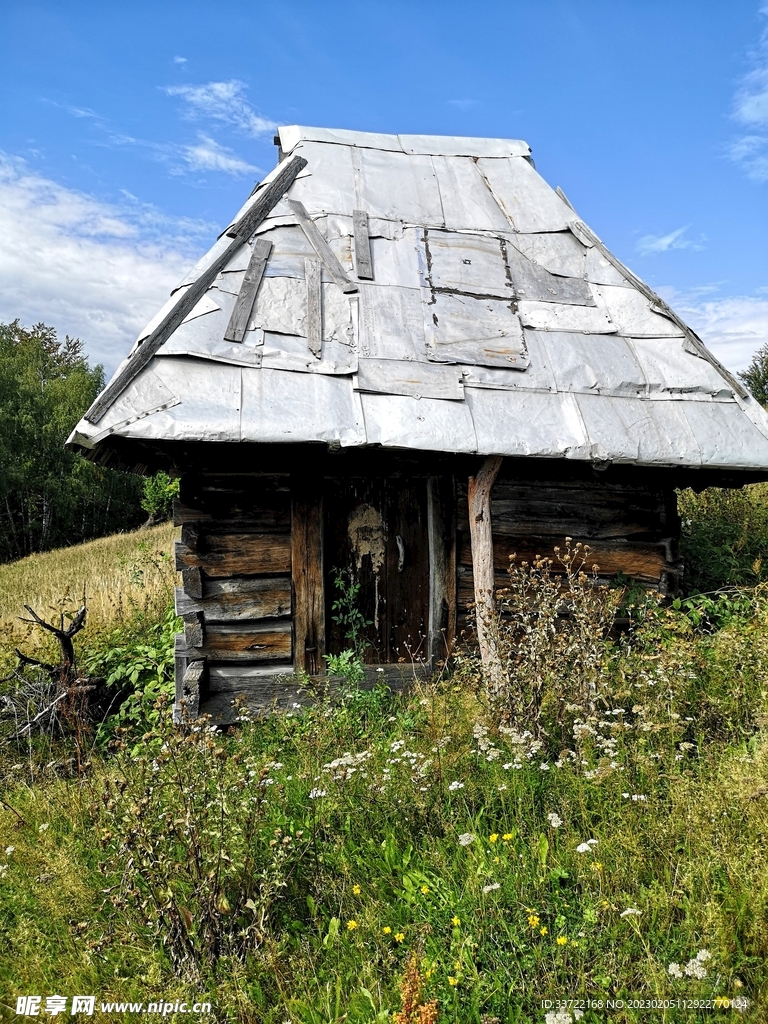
x=481 y=534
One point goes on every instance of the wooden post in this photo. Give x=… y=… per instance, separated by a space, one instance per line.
x=442 y=569
x=307 y=574
x=481 y=534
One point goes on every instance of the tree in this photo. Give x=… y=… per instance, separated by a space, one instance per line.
x=50 y=497
x=756 y=376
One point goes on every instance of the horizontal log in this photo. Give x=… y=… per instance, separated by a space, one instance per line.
x=238 y=554
x=239 y=599
x=230 y=517
x=643 y=562
x=253 y=643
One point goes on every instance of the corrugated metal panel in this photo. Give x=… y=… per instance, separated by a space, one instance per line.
x=402 y=377
x=398 y=422
x=525 y=423
x=468 y=329
x=330 y=409
x=524 y=196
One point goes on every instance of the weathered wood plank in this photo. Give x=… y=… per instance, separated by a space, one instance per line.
x=363 y=263
x=192 y=580
x=257 y=642
x=239 y=599
x=241 y=314
x=644 y=562
x=194 y=629
x=238 y=554
x=193 y=686
x=321 y=247
x=442 y=577
x=481 y=533
x=240 y=233
x=314 y=322
x=308 y=578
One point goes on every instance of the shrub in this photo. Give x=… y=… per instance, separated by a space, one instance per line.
x=724 y=537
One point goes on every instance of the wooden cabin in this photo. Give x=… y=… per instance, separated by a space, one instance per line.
x=389 y=323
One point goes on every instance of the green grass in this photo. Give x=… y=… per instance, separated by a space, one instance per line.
x=293 y=869
x=177 y=868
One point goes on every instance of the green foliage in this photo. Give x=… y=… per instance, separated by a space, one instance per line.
x=159 y=492
x=724 y=537
x=137 y=662
x=756 y=375
x=50 y=496
x=346 y=611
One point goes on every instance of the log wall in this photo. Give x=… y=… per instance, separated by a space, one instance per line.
x=630 y=525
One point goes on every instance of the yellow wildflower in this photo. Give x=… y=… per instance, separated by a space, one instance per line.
x=351 y=925
x=507 y=837
x=399 y=937
x=387 y=930
x=356 y=890
x=453 y=982
x=533 y=920
x=492 y=838
x=562 y=940
x=596 y=866
x=424 y=889
x=542 y=931
x=455 y=920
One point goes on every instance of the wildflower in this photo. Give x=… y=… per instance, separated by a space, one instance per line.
x=492 y=838
x=453 y=982
x=466 y=838
x=533 y=920
x=9 y=850
x=674 y=970
x=455 y=920
x=387 y=930
x=315 y=794
x=596 y=866
x=508 y=836
x=703 y=955
x=356 y=890
x=630 y=912
x=695 y=969
x=491 y=887
x=542 y=931
x=562 y=940
x=43 y=828
x=586 y=847
x=455 y=785
x=554 y=819
x=424 y=890
x=351 y=925
x=399 y=936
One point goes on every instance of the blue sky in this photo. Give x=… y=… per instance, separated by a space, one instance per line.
x=132 y=132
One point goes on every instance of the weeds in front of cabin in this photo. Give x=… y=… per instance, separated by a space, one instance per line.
x=312 y=866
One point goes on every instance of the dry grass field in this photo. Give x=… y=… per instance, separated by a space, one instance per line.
x=120 y=575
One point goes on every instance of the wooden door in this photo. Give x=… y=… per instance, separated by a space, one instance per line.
x=376 y=536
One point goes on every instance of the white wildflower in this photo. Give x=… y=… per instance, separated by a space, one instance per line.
x=9 y=850
x=674 y=970
x=630 y=912
x=397 y=745
x=43 y=828
x=455 y=785
x=507 y=766
x=466 y=838
x=703 y=955
x=491 y=887
x=695 y=969
x=315 y=794
x=586 y=847
x=544 y=767
x=554 y=819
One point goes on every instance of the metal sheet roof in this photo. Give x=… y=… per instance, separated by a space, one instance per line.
x=464 y=307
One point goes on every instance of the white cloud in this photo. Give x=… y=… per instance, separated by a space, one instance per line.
x=750 y=108
x=91 y=269
x=179 y=60
x=733 y=327
x=208 y=155
x=224 y=102
x=650 y=244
